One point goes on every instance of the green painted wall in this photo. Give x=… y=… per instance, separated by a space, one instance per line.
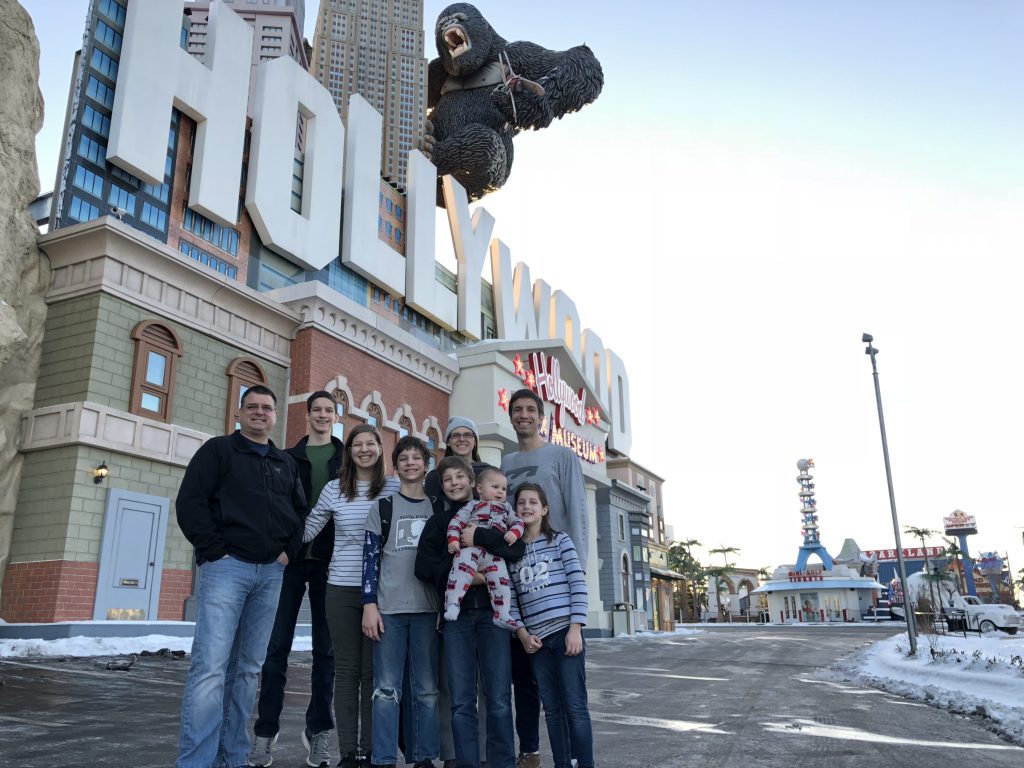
x=88 y=354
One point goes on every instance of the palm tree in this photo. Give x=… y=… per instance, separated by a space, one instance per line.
x=764 y=573
x=680 y=559
x=725 y=551
x=922 y=534
x=718 y=574
x=953 y=551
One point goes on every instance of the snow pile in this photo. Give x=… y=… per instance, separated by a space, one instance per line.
x=975 y=675
x=109 y=646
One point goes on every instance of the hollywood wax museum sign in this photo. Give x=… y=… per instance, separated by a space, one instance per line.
x=156 y=75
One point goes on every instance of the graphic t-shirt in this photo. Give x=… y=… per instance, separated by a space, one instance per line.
x=398 y=589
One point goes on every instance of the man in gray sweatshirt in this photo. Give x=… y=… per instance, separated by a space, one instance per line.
x=556 y=469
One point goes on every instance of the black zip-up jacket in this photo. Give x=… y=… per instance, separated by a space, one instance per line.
x=322 y=547
x=434 y=563
x=232 y=501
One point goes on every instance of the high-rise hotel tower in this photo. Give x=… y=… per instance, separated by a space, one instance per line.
x=375 y=48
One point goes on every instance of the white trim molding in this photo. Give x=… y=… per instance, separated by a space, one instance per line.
x=117 y=431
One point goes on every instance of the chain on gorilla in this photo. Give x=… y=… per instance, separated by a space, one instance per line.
x=482 y=91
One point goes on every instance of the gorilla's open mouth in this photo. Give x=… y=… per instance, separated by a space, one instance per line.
x=457 y=41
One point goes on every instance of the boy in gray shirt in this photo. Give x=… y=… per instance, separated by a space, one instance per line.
x=400 y=611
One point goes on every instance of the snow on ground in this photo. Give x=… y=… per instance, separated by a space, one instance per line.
x=109 y=646
x=973 y=675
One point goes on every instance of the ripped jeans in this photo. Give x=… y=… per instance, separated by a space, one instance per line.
x=411 y=636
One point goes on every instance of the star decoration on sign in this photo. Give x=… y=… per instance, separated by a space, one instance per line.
x=517 y=365
x=600 y=453
x=593 y=416
x=531 y=380
x=503 y=397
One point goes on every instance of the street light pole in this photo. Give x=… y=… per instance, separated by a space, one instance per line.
x=907 y=612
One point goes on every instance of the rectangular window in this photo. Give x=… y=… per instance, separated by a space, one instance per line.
x=96 y=120
x=224 y=238
x=153 y=216
x=156 y=369
x=103 y=64
x=99 y=92
x=82 y=210
x=108 y=36
x=113 y=11
x=121 y=198
x=89 y=182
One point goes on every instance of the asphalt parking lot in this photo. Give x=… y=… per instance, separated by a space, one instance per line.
x=730 y=697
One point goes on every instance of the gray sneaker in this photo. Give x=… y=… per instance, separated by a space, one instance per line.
x=318 y=746
x=261 y=754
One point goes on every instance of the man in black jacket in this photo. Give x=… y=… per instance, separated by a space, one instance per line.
x=241 y=506
x=318 y=456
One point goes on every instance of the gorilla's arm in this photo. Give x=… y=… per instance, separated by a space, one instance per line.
x=571 y=79
x=435 y=79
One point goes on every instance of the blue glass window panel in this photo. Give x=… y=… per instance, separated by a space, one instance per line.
x=156 y=369
x=103 y=64
x=88 y=181
x=113 y=11
x=82 y=210
x=99 y=92
x=106 y=35
x=151 y=402
x=153 y=216
x=96 y=120
x=121 y=198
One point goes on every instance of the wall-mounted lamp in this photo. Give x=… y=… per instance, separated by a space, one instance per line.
x=100 y=473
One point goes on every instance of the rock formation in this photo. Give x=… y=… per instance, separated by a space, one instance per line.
x=24 y=271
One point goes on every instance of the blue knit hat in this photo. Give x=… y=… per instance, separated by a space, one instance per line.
x=458 y=421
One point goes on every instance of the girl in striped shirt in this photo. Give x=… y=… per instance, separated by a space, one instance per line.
x=551 y=601
x=347 y=501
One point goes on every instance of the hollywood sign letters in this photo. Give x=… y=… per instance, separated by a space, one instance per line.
x=156 y=75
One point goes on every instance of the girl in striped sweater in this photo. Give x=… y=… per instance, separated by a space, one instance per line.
x=551 y=601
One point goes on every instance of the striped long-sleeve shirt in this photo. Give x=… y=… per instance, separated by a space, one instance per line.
x=346 y=569
x=550 y=586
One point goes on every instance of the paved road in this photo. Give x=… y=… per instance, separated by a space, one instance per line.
x=751 y=697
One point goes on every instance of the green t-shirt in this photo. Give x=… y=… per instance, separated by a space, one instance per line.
x=319 y=456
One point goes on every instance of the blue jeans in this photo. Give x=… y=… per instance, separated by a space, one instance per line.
x=272 y=681
x=562 y=681
x=237 y=602
x=412 y=637
x=474 y=640
x=527 y=698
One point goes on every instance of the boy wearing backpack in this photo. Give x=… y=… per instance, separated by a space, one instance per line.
x=400 y=611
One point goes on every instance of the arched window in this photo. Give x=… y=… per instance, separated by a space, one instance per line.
x=433 y=441
x=157 y=349
x=404 y=427
x=338 y=430
x=243 y=373
x=625 y=579
x=374 y=416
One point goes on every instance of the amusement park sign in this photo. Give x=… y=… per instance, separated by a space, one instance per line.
x=912 y=553
x=156 y=76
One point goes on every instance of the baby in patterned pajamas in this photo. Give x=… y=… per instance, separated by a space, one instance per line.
x=490 y=511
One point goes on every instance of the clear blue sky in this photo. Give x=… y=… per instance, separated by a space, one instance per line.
x=758 y=184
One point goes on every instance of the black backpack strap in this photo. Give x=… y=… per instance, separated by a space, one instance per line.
x=387 y=510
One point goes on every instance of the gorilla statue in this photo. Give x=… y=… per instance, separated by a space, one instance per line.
x=482 y=91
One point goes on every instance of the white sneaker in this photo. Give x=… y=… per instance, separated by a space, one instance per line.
x=261 y=754
x=318 y=748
